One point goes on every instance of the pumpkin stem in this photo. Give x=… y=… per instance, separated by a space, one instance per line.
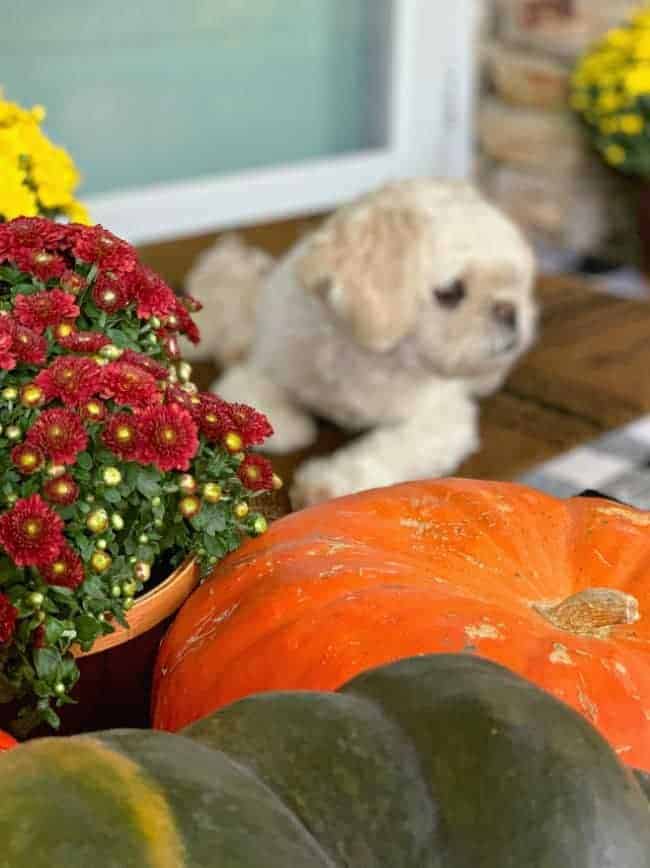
x=592 y=610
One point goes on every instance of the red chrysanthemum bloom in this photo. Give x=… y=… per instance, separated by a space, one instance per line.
x=35 y=233
x=70 y=379
x=31 y=532
x=72 y=282
x=214 y=418
x=7 y=353
x=60 y=434
x=153 y=296
x=121 y=436
x=83 y=342
x=40 y=263
x=97 y=245
x=29 y=347
x=28 y=458
x=253 y=426
x=180 y=320
x=45 y=309
x=129 y=384
x=8 y=618
x=156 y=369
x=112 y=292
x=169 y=437
x=256 y=473
x=93 y=410
x=66 y=570
x=62 y=490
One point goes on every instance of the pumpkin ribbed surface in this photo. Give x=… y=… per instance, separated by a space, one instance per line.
x=494 y=569
x=441 y=761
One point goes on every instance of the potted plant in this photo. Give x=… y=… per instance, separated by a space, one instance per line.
x=36 y=176
x=611 y=93
x=112 y=464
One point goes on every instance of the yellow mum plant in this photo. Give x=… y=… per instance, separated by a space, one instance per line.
x=611 y=91
x=36 y=176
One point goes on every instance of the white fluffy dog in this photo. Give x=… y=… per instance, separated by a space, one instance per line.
x=389 y=319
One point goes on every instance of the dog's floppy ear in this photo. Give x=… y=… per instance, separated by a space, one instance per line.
x=368 y=264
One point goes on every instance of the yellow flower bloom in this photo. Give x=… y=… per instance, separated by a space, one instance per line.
x=637 y=80
x=615 y=155
x=631 y=124
x=618 y=38
x=35 y=175
x=609 y=101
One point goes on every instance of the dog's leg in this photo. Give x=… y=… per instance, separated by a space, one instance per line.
x=433 y=442
x=294 y=428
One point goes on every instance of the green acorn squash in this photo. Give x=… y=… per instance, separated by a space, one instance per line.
x=433 y=762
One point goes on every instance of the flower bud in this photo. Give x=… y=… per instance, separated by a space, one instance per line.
x=110 y=352
x=260 y=525
x=100 y=561
x=9 y=393
x=116 y=591
x=111 y=476
x=187 y=483
x=277 y=482
x=55 y=470
x=241 y=509
x=117 y=521
x=142 y=571
x=129 y=588
x=143 y=539
x=97 y=521
x=13 y=432
x=184 y=371
x=189 y=506
x=35 y=599
x=212 y=492
x=59 y=688
x=101 y=544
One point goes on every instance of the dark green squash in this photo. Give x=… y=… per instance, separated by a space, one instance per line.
x=433 y=762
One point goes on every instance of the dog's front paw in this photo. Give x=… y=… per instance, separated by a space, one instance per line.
x=316 y=481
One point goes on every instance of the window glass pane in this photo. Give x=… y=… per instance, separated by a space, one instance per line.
x=161 y=90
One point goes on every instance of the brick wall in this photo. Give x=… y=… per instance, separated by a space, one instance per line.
x=533 y=159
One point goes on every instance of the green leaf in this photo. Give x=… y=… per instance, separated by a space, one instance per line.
x=112 y=495
x=46 y=663
x=84 y=460
x=88 y=629
x=148 y=481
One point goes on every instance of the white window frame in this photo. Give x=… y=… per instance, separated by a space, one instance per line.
x=429 y=131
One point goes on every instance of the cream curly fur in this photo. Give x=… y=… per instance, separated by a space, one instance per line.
x=353 y=325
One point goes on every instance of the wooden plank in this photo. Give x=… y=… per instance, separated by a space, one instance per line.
x=592 y=359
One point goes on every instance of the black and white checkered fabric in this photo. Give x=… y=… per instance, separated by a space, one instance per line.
x=617 y=465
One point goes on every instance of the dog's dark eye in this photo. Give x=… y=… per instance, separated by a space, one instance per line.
x=451 y=295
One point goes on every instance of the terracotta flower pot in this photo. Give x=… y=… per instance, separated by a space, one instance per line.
x=114 y=688
x=150 y=609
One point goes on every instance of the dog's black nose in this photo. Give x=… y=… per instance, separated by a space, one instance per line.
x=505 y=313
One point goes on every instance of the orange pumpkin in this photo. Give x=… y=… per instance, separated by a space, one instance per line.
x=558 y=591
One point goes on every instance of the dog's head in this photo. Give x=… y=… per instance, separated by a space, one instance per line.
x=429 y=269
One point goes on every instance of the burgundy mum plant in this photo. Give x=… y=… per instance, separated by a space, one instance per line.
x=109 y=457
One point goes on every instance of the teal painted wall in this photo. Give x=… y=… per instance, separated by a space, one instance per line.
x=157 y=90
